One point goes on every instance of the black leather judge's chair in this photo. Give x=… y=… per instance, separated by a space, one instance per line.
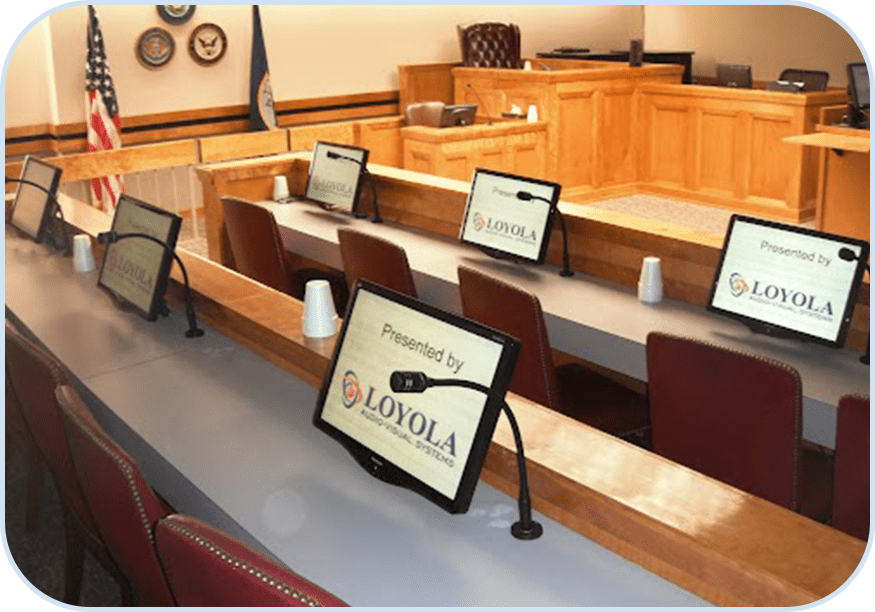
x=490 y=45
x=582 y=394
x=735 y=417
x=259 y=252
x=814 y=80
x=851 y=499
x=376 y=260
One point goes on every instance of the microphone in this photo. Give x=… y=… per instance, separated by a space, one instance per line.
x=417 y=382
x=377 y=218
x=566 y=267
x=56 y=216
x=110 y=237
x=847 y=254
x=544 y=66
x=480 y=100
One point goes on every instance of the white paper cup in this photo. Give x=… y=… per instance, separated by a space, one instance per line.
x=650 y=283
x=83 y=255
x=527 y=65
x=320 y=318
x=280 y=188
x=533 y=113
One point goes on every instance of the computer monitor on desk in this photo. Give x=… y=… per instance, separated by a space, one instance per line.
x=434 y=443
x=858 y=87
x=458 y=115
x=335 y=178
x=734 y=75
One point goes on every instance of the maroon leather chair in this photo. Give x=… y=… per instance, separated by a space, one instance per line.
x=732 y=416
x=490 y=45
x=207 y=567
x=34 y=375
x=123 y=505
x=18 y=433
x=259 y=253
x=851 y=499
x=376 y=260
x=582 y=394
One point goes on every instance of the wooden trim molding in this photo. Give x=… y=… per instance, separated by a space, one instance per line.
x=178 y=125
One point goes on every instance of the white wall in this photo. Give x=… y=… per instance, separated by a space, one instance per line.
x=313 y=51
x=769 y=38
x=29 y=78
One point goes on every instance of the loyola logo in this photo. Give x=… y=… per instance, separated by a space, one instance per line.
x=479 y=222
x=352 y=391
x=737 y=286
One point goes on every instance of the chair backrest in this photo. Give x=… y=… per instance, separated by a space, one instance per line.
x=815 y=80
x=34 y=375
x=517 y=312
x=256 y=244
x=851 y=496
x=123 y=505
x=425 y=113
x=207 y=567
x=490 y=45
x=376 y=260
x=729 y=415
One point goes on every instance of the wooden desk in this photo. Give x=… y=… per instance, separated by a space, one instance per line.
x=516 y=147
x=727 y=546
x=597 y=320
x=589 y=107
x=684 y=58
x=614 y=130
x=843 y=183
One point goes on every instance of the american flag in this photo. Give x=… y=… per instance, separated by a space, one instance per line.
x=102 y=119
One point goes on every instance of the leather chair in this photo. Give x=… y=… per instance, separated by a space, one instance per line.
x=34 y=376
x=490 y=45
x=851 y=498
x=579 y=393
x=815 y=80
x=425 y=113
x=18 y=433
x=259 y=252
x=206 y=567
x=733 y=416
x=123 y=505
x=376 y=260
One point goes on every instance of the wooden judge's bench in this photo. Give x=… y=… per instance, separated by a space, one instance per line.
x=615 y=130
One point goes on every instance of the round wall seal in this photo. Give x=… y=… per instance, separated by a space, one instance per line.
x=176 y=14
x=207 y=44
x=155 y=47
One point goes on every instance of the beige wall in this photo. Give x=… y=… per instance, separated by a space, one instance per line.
x=313 y=51
x=769 y=38
x=331 y=50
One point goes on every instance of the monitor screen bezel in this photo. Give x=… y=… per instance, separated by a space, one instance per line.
x=48 y=204
x=770 y=328
x=378 y=466
x=156 y=302
x=853 y=80
x=345 y=149
x=743 y=74
x=546 y=232
x=456 y=115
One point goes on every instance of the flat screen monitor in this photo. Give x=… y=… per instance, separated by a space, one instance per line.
x=459 y=114
x=435 y=442
x=858 y=83
x=734 y=75
x=33 y=208
x=135 y=270
x=336 y=181
x=788 y=280
x=502 y=223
